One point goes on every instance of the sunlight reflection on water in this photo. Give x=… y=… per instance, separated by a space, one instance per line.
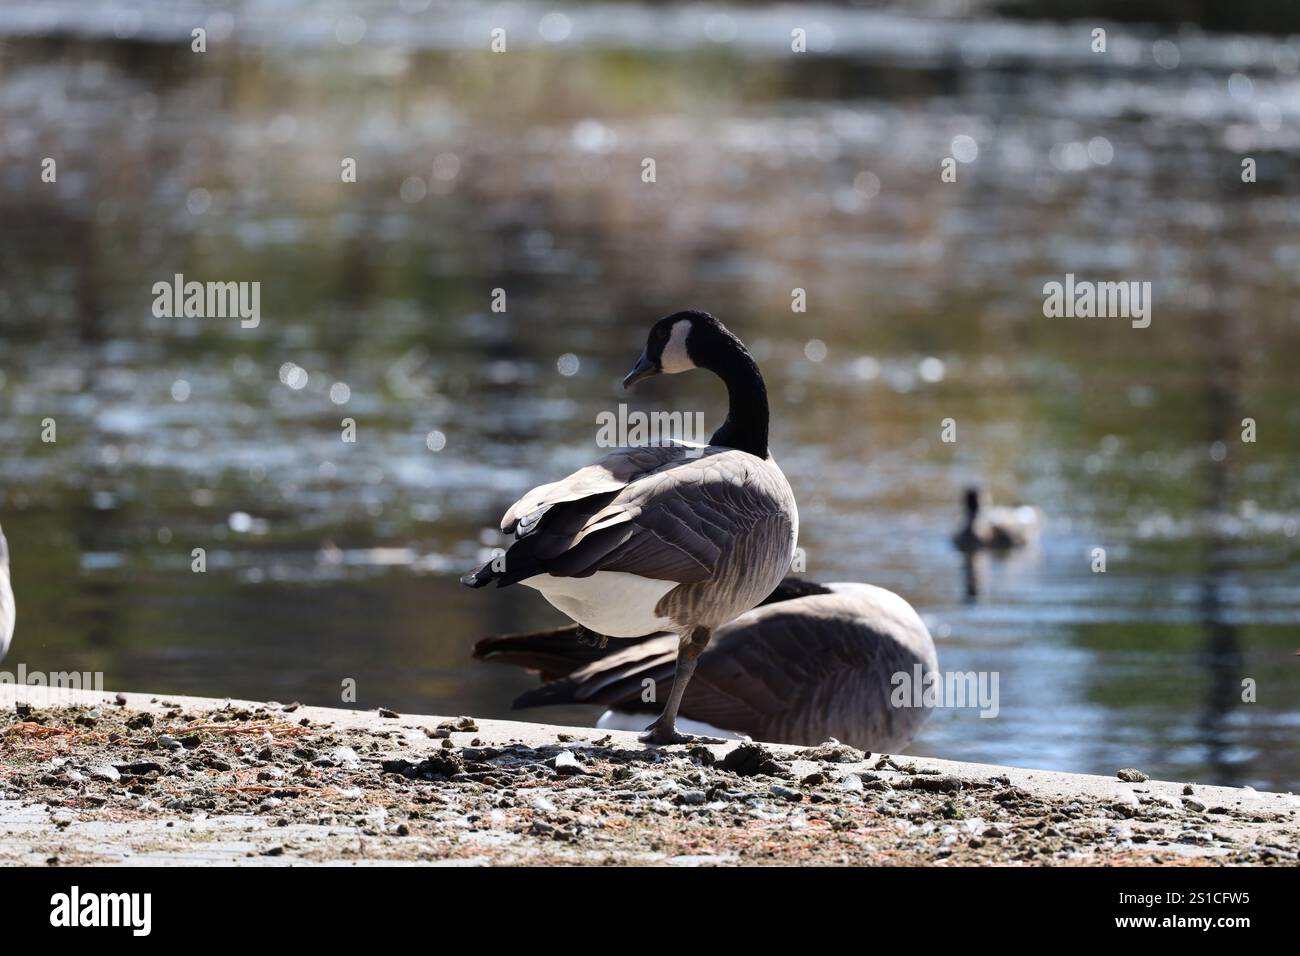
x=329 y=559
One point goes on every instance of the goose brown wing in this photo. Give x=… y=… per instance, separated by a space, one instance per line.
x=612 y=473
x=809 y=668
x=664 y=512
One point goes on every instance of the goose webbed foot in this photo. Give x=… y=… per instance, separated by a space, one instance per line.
x=664 y=730
x=660 y=734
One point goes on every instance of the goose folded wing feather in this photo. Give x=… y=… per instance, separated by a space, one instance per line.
x=612 y=473
x=668 y=521
x=617 y=680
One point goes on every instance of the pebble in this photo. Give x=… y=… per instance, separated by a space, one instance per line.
x=785 y=793
x=1127 y=797
x=460 y=724
x=750 y=759
x=832 y=752
x=106 y=773
x=701 y=755
x=170 y=742
x=1130 y=775
x=939 y=784
x=566 y=763
x=344 y=755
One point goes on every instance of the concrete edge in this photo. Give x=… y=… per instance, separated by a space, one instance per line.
x=1053 y=784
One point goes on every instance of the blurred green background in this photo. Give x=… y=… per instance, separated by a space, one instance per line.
x=775 y=171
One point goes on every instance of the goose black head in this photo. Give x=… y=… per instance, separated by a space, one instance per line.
x=971 y=497
x=680 y=342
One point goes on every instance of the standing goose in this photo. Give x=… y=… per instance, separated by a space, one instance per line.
x=6 y=598
x=812 y=662
x=998 y=529
x=678 y=537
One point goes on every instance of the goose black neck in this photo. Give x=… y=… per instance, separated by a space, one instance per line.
x=747 y=412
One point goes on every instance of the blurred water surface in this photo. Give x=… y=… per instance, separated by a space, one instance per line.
x=775 y=171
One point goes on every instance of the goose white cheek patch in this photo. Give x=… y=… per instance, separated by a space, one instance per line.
x=675 y=357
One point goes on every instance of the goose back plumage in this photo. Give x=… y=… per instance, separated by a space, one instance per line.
x=714 y=526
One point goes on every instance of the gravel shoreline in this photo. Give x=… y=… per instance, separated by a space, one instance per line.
x=88 y=778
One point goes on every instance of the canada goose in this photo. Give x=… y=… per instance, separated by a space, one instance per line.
x=677 y=537
x=6 y=598
x=998 y=529
x=812 y=662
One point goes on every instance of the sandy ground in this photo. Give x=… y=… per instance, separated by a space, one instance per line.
x=90 y=778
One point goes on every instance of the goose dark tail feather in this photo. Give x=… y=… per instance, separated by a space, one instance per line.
x=480 y=577
x=554 y=653
x=520 y=565
x=553 y=693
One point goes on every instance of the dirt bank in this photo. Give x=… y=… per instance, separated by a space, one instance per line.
x=104 y=778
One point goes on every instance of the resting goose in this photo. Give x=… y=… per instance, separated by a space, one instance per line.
x=678 y=537
x=812 y=662
x=6 y=598
x=997 y=529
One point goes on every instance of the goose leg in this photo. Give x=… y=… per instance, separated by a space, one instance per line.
x=664 y=729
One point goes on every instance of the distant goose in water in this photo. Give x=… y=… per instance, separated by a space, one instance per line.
x=998 y=529
x=678 y=537
x=813 y=662
x=6 y=598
